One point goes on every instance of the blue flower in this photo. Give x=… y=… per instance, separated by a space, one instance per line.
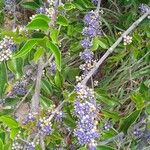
x=40 y=10
x=86 y=55
x=90 y=31
x=95 y=2
x=86 y=43
x=144 y=8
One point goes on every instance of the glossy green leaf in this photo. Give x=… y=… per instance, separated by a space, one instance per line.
x=45 y=102
x=103 y=44
x=138 y=99
x=54 y=35
x=11 y=101
x=13 y=133
x=83 y=4
x=39 y=52
x=61 y=20
x=46 y=86
x=95 y=44
x=2 y=135
x=58 y=79
x=30 y=5
x=10 y=122
x=56 y=52
x=1 y=145
x=111 y=114
x=3 y=78
x=104 y=147
x=26 y=48
x=38 y=23
x=69 y=6
x=43 y=17
x=129 y=120
x=16 y=67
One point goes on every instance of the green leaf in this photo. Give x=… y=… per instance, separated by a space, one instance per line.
x=129 y=120
x=26 y=48
x=70 y=73
x=145 y=91
x=95 y=44
x=61 y=20
x=10 y=122
x=11 y=101
x=38 y=23
x=1 y=145
x=16 y=67
x=138 y=99
x=69 y=6
x=103 y=44
x=57 y=53
x=58 y=79
x=38 y=54
x=106 y=99
x=3 y=78
x=104 y=147
x=13 y=133
x=45 y=102
x=111 y=114
x=46 y=86
x=7 y=146
x=2 y=135
x=43 y=17
x=30 y=5
x=6 y=112
x=54 y=35
x=83 y=4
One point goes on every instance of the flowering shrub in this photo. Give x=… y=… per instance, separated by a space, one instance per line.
x=74 y=74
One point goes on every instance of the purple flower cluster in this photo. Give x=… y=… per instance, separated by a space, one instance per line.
x=95 y=2
x=144 y=8
x=86 y=112
x=59 y=116
x=137 y=133
x=44 y=125
x=41 y=10
x=92 y=28
x=85 y=104
x=30 y=146
x=9 y=4
x=19 y=88
x=107 y=126
x=30 y=118
x=7 y=46
x=86 y=55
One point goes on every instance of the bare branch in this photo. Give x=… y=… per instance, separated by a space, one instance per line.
x=36 y=97
x=111 y=49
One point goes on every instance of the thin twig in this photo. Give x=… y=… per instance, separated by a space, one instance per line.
x=111 y=49
x=98 y=5
x=42 y=143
